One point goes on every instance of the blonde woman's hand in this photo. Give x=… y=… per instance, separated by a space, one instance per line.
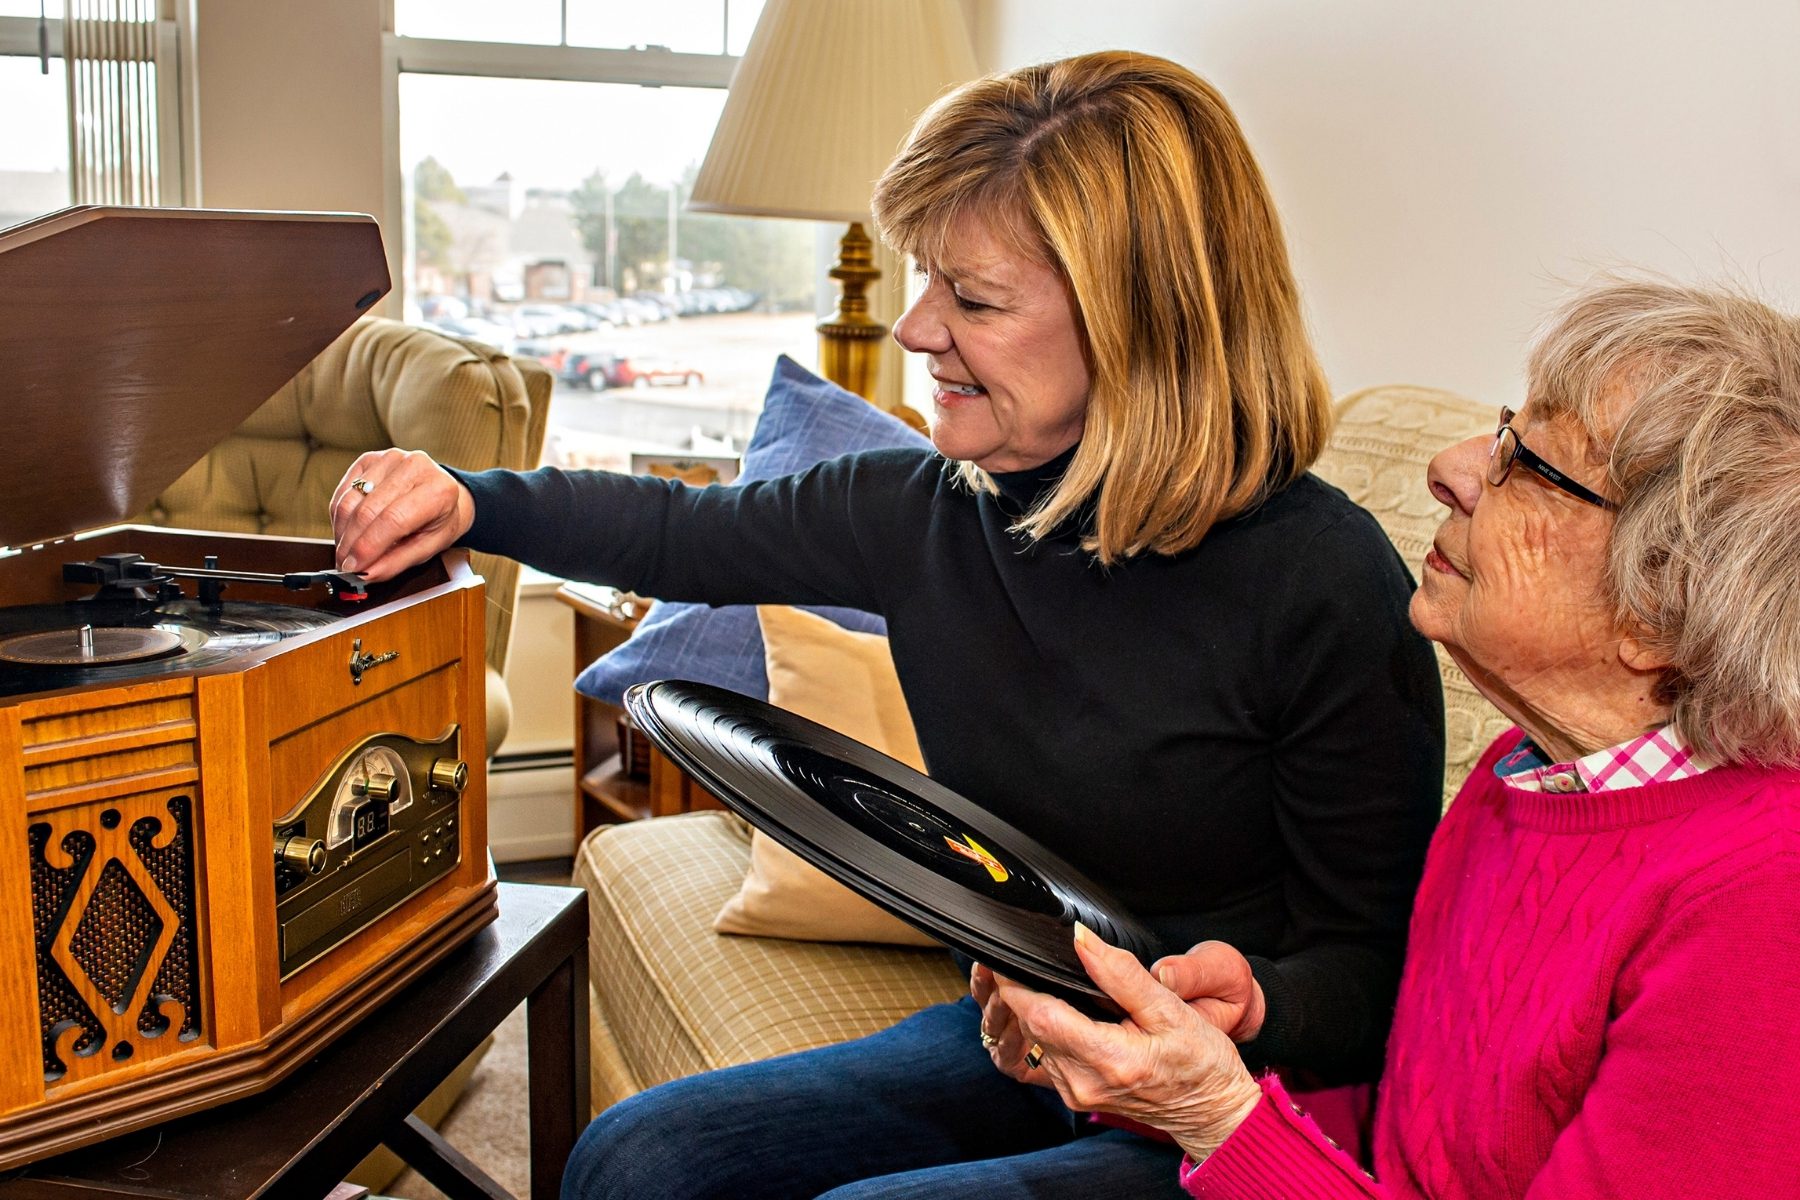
x=394 y=509
x=1169 y=1064
x=1217 y=983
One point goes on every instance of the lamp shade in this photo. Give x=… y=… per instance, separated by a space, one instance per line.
x=821 y=101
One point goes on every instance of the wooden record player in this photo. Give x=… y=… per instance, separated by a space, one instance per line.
x=241 y=796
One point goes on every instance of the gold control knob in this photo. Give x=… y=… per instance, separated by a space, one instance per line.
x=451 y=774
x=306 y=855
x=379 y=787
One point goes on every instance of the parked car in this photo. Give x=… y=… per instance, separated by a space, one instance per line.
x=642 y=372
x=645 y=311
x=549 y=353
x=594 y=369
x=501 y=337
x=601 y=314
x=554 y=318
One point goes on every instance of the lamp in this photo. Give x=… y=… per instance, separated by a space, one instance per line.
x=820 y=102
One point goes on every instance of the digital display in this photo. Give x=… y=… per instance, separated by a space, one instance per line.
x=369 y=821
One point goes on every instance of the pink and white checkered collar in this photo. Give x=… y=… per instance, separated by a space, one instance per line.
x=1660 y=756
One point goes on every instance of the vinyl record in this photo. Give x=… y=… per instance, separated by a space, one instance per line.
x=912 y=846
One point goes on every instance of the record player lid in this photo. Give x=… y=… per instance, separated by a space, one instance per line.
x=132 y=340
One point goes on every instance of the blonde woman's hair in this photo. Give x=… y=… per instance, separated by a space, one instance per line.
x=1129 y=175
x=1704 y=561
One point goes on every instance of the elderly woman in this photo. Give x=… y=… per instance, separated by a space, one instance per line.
x=1124 y=617
x=1601 y=990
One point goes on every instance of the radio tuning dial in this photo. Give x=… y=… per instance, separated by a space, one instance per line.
x=379 y=787
x=306 y=855
x=451 y=774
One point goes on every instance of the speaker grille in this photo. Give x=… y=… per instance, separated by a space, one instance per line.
x=117 y=958
x=60 y=1006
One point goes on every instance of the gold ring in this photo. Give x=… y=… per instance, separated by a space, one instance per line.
x=988 y=1040
x=362 y=485
x=1034 y=1057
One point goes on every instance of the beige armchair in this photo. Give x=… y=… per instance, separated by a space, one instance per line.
x=381 y=384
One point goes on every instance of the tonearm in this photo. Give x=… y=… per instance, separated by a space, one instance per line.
x=134 y=576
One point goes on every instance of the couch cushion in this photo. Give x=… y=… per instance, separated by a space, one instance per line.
x=680 y=998
x=609 y=1079
x=805 y=420
x=1383 y=440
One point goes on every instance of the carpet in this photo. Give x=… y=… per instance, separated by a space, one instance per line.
x=489 y=1123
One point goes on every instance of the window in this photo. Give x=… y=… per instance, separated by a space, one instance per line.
x=144 y=159
x=34 y=154
x=546 y=177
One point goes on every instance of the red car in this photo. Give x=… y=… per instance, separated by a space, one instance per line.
x=642 y=372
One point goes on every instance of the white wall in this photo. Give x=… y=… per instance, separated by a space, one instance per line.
x=290 y=108
x=1442 y=166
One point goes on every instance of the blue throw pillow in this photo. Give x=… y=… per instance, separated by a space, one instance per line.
x=804 y=420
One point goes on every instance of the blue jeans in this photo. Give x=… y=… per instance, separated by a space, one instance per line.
x=914 y=1111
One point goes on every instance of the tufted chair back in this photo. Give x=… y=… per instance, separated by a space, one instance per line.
x=381 y=384
x=1379 y=447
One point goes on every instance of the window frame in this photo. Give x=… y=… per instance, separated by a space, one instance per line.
x=642 y=66
x=651 y=66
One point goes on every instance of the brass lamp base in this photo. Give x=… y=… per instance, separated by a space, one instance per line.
x=849 y=340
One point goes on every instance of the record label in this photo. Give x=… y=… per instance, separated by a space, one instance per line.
x=922 y=833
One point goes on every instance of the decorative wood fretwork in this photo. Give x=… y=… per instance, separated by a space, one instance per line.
x=113 y=908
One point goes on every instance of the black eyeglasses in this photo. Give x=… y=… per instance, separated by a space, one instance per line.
x=1509 y=450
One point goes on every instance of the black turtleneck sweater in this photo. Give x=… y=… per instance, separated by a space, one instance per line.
x=1242 y=742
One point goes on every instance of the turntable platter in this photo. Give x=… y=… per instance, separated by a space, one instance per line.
x=40 y=645
x=86 y=646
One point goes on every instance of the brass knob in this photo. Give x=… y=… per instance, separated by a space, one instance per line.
x=306 y=855
x=451 y=774
x=378 y=787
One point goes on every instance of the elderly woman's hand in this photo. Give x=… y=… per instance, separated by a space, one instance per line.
x=1213 y=978
x=394 y=509
x=1169 y=1064
x=1000 y=1032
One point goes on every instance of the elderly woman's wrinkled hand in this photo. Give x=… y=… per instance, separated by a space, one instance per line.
x=1000 y=1032
x=1169 y=1064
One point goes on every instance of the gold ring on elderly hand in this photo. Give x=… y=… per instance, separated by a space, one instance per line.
x=988 y=1040
x=1034 y=1057
x=362 y=485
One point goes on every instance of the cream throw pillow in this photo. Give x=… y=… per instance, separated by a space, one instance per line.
x=843 y=680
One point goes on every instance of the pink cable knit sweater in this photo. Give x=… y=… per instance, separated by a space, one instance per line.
x=1601 y=999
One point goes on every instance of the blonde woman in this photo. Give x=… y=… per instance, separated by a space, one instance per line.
x=1124 y=616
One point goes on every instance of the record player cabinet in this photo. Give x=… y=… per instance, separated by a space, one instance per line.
x=208 y=873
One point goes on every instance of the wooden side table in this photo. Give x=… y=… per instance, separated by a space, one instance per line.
x=302 y=1137
x=604 y=791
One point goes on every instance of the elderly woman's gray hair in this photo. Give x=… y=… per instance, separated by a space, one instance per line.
x=1705 y=459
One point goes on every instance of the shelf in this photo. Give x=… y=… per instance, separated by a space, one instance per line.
x=620 y=796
